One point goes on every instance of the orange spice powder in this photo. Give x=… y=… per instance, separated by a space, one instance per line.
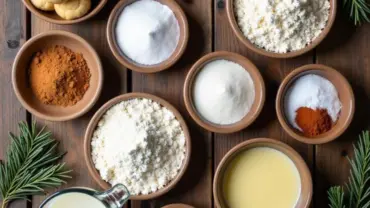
x=313 y=122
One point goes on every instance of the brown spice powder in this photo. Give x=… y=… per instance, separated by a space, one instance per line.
x=59 y=76
x=313 y=122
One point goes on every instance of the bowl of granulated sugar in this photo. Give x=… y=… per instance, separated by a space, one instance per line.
x=315 y=104
x=147 y=36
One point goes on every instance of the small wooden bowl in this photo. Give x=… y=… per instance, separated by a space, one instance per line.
x=21 y=83
x=51 y=16
x=94 y=122
x=305 y=175
x=345 y=94
x=259 y=86
x=130 y=64
x=261 y=51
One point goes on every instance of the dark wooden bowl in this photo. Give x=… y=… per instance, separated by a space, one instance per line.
x=94 y=122
x=346 y=97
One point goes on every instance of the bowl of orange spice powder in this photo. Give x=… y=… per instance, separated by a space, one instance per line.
x=57 y=76
x=315 y=104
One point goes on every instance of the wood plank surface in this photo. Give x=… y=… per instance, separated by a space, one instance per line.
x=195 y=187
x=347 y=49
x=71 y=133
x=273 y=71
x=12 y=36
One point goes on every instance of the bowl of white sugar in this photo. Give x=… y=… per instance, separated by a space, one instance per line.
x=224 y=92
x=281 y=29
x=315 y=104
x=138 y=140
x=147 y=36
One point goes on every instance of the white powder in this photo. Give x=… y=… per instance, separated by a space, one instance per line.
x=312 y=91
x=282 y=25
x=140 y=144
x=223 y=92
x=147 y=32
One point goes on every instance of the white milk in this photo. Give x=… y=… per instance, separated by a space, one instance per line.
x=75 y=200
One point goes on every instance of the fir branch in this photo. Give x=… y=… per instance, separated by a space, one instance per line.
x=336 y=197
x=359 y=179
x=30 y=165
x=358 y=10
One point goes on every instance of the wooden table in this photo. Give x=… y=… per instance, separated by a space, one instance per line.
x=347 y=49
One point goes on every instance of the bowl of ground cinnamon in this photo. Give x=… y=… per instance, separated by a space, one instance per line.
x=57 y=76
x=315 y=104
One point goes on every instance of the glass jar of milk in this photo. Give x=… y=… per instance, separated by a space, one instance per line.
x=78 y=197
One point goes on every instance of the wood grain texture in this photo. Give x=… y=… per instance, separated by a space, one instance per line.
x=195 y=186
x=346 y=49
x=12 y=36
x=273 y=71
x=71 y=133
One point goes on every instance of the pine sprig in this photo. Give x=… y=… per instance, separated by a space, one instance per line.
x=30 y=165
x=358 y=10
x=359 y=178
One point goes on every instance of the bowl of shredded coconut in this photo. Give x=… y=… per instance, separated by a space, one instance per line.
x=281 y=28
x=315 y=104
x=138 y=140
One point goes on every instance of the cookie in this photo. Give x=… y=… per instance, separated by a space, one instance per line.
x=73 y=9
x=43 y=5
x=56 y=1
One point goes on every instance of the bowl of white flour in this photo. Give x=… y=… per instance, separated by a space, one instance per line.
x=138 y=140
x=281 y=28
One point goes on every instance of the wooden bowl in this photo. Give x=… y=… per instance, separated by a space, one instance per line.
x=94 y=122
x=21 y=83
x=345 y=94
x=259 y=86
x=51 y=16
x=261 y=51
x=130 y=64
x=305 y=175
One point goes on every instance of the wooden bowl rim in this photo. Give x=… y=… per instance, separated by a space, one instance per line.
x=177 y=206
x=39 y=13
x=99 y=69
x=130 y=64
x=96 y=118
x=261 y=51
x=300 y=164
x=300 y=71
x=250 y=68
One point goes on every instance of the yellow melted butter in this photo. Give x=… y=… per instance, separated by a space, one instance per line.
x=261 y=177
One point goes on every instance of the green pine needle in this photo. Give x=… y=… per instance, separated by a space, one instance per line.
x=359 y=179
x=31 y=165
x=358 y=10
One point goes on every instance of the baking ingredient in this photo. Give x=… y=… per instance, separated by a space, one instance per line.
x=223 y=92
x=43 y=5
x=147 y=32
x=261 y=177
x=56 y=1
x=30 y=165
x=357 y=10
x=75 y=200
x=59 y=76
x=314 y=92
x=139 y=144
x=73 y=9
x=358 y=186
x=282 y=25
x=313 y=122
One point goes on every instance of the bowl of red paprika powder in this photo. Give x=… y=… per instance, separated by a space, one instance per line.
x=316 y=125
